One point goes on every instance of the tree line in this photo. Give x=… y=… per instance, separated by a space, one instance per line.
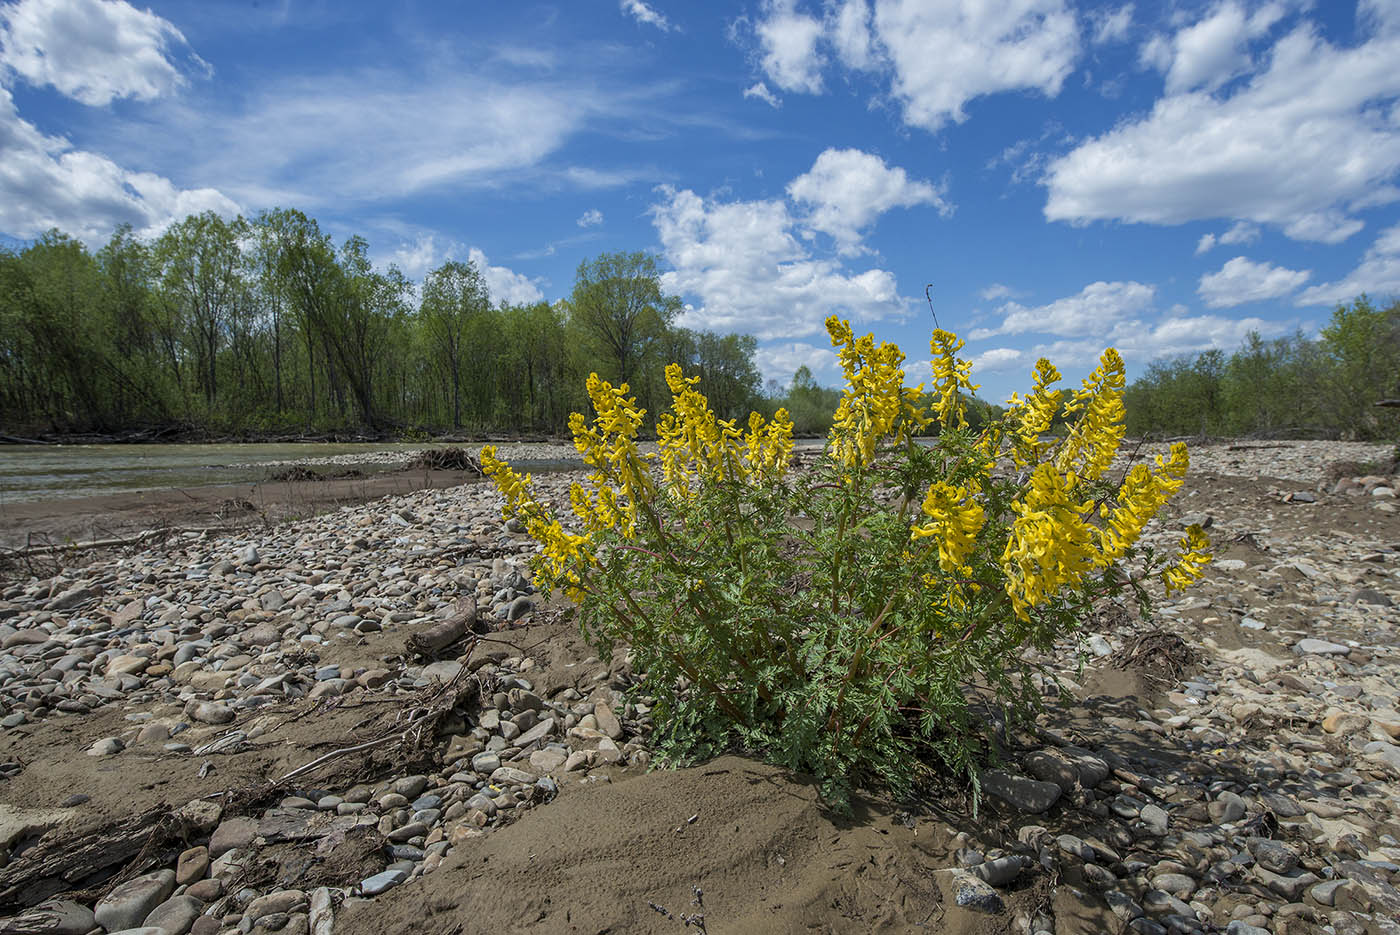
x=265 y=326
x=1291 y=386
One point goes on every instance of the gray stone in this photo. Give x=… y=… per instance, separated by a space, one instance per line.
x=107 y=746
x=1155 y=820
x=1273 y=855
x=231 y=834
x=607 y=721
x=372 y=886
x=209 y=712
x=999 y=872
x=1227 y=807
x=410 y=787
x=1240 y=927
x=322 y=915
x=1027 y=795
x=1178 y=884
x=249 y=556
x=519 y=608
x=1314 y=647
x=128 y=905
x=175 y=915
x=972 y=893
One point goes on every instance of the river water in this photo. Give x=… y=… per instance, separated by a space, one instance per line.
x=55 y=472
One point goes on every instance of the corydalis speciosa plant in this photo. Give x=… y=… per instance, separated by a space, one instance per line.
x=844 y=620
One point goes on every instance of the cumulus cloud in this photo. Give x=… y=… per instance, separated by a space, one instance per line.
x=1378 y=274
x=505 y=285
x=980 y=49
x=791 y=57
x=780 y=361
x=1302 y=144
x=1095 y=309
x=46 y=183
x=1242 y=280
x=645 y=15
x=1120 y=315
x=590 y=218
x=995 y=291
x=997 y=360
x=750 y=272
x=847 y=189
x=1208 y=53
x=759 y=91
x=94 y=51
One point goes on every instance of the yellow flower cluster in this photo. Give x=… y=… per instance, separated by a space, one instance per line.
x=622 y=479
x=1032 y=415
x=1089 y=448
x=957 y=518
x=1050 y=545
x=697 y=446
x=876 y=403
x=1142 y=493
x=1191 y=563
x=562 y=553
x=950 y=376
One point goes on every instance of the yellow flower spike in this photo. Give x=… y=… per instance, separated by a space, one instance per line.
x=950 y=375
x=1191 y=563
x=1050 y=545
x=875 y=404
x=1093 y=442
x=957 y=518
x=1033 y=415
x=1142 y=494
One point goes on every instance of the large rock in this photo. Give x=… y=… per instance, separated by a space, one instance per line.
x=176 y=915
x=1026 y=795
x=128 y=905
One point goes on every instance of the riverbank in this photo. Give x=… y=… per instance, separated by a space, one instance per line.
x=252 y=731
x=223 y=507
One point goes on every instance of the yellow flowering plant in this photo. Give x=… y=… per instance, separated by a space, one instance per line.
x=839 y=619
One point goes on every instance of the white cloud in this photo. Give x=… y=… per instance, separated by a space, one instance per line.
x=936 y=56
x=1111 y=25
x=505 y=285
x=789 y=41
x=1242 y=280
x=750 y=273
x=46 y=183
x=945 y=55
x=1095 y=309
x=995 y=291
x=846 y=190
x=760 y=91
x=1210 y=52
x=1378 y=274
x=1302 y=144
x=1239 y=232
x=996 y=360
x=93 y=51
x=645 y=15
x=780 y=361
x=848 y=28
x=590 y=218
x=424 y=254
x=1378 y=16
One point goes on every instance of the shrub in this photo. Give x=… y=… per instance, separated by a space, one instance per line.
x=840 y=621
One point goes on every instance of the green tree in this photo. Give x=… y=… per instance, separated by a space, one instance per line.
x=619 y=308
x=454 y=295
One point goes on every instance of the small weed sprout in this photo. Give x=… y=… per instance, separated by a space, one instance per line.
x=840 y=621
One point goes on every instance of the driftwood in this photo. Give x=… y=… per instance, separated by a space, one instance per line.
x=436 y=637
x=1388 y=403
x=62 y=862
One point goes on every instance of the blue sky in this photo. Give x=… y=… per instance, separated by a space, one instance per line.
x=1163 y=177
